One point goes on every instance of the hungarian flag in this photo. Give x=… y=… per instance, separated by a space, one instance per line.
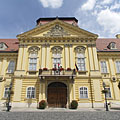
x=76 y=66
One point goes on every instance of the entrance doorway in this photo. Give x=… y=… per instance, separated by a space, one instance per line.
x=57 y=95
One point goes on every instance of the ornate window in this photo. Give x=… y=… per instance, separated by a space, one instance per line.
x=83 y=92
x=56 y=51
x=80 y=58
x=11 y=66
x=103 y=67
x=6 y=92
x=112 y=45
x=3 y=46
x=118 y=66
x=33 y=53
x=31 y=92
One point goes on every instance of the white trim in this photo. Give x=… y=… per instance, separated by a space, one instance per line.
x=27 y=89
x=87 y=92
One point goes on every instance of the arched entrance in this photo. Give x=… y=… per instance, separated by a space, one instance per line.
x=57 y=94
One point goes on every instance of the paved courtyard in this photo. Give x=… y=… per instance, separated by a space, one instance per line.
x=62 y=114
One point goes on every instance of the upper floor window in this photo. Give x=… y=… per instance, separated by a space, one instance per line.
x=118 y=66
x=11 y=66
x=112 y=45
x=33 y=53
x=31 y=92
x=6 y=92
x=103 y=67
x=80 y=58
x=56 y=51
x=83 y=92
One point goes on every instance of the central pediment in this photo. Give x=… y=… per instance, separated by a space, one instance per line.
x=57 y=28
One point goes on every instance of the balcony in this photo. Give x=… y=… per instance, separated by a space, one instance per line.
x=57 y=72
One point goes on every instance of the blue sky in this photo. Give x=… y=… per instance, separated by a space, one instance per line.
x=98 y=16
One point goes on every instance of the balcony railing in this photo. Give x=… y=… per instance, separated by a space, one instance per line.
x=57 y=72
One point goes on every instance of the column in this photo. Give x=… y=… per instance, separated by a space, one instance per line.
x=0 y=66
x=4 y=66
x=66 y=56
x=20 y=56
x=116 y=91
x=112 y=69
x=48 y=59
x=40 y=95
x=25 y=56
x=43 y=56
x=90 y=58
x=95 y=58
x=43 y=91
x=72 y=58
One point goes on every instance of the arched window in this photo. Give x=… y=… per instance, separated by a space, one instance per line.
x=112 y=45
x=31 y=92
x=56 y=55
x=80 y=58
x=11 y=66
x=83 y=92
x=33 y=53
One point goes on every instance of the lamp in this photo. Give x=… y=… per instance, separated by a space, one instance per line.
x=105 y=92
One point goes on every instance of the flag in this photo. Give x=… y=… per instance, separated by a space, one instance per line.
x=76 y=66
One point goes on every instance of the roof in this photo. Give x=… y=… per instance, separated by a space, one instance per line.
x=12 y=45
x=53 y=18
x=102 y=43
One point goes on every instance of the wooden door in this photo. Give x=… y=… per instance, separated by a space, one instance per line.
x=57 y=96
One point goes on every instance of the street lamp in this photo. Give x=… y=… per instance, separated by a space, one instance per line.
x=9 y=96
x=105 y=92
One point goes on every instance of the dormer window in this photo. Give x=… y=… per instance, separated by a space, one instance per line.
x=3 y=46
x=112 y=45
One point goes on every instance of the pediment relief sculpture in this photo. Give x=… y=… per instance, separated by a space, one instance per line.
x=56 y=49
x=34 y=49
x=56 y=31
x=79 y=49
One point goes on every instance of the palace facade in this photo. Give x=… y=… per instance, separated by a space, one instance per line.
x=59 y=62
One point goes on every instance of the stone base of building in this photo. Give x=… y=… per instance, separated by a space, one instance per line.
x=90 y=105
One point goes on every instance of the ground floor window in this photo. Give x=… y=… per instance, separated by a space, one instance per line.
x=83 y=92
x=6 y=92
x=108 y=95
x=31 y=92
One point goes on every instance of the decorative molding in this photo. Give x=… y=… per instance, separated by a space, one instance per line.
x=33 y=49
x=79 y=49
x=56 y=31
x=56 y=49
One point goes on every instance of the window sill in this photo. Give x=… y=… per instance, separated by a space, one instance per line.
x=30 y=99
x=104 y=73
x=32 y=72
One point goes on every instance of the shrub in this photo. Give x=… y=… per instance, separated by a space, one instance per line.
x=68 y=69
x=74 y=104
x=42 y=104
x=61 y=69
x=54 y=69
x=45 y=69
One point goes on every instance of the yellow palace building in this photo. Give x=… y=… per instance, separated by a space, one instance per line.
x=59 y=62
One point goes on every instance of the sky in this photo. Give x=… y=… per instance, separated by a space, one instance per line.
x=101 y=17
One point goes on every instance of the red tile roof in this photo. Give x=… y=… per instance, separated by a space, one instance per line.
x=12 y=45
x=102 y=43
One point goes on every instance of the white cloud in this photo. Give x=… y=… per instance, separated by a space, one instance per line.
x=106 y=2
x=115 y=6
x=89 y=5
x=51 y=3
x=109 y=20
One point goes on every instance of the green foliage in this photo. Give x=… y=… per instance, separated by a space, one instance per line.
x=74 y=104
x=42 y=104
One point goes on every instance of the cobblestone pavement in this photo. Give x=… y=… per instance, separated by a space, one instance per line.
x=61 y=115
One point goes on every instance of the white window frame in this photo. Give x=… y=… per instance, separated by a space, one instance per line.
x=103 y=67
x=11 y=67
x=85 y=96
x=56 y=56
x=117 y=63
x=6 y=90
x=108 y=95
x=33 y=61
x=81 y=62
x=31 y=92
